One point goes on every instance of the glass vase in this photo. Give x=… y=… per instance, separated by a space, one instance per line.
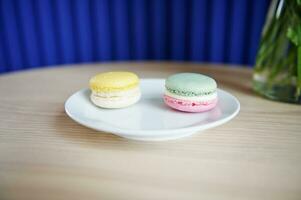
x=277 y=72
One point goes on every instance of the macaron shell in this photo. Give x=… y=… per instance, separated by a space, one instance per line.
x=113 y=81
x=189 y=106
x=190 y=84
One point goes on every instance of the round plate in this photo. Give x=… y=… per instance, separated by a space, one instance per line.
x=150 y=118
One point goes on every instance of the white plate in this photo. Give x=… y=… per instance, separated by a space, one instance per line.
x=150 y=118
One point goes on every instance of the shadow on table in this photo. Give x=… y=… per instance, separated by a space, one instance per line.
x=81 y=135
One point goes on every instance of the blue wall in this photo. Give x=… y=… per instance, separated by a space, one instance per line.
x=35 y=33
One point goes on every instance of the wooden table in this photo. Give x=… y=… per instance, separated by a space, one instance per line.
x=45 y=155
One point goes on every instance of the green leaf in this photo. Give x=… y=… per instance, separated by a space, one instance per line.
x=294 y=34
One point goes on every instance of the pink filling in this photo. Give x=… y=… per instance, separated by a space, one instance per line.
x=189 y=106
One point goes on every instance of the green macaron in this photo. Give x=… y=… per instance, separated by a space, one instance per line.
x=190 y=84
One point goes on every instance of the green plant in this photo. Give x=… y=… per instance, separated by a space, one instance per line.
x=277 y=73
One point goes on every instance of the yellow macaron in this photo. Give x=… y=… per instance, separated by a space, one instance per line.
x=113 y=81
x=115 y=89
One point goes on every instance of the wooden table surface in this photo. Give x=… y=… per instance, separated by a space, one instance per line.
x=45 y=155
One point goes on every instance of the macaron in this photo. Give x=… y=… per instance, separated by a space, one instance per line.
x=190 y=92
x=115 y=89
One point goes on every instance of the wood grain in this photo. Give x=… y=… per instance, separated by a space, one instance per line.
x=45 y=155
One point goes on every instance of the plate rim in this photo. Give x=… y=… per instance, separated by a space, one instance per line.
x=156 y=132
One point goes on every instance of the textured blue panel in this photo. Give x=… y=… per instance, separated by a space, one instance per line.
x=217 y=30
x=101 y=26
x=121 y=29
x=65 y=31
x=257 y=20
x=49 y=32
x=48 y=40
x=179 y=29
x=83 y=28
x=28 y=26
x=3 y=52
x=238 y=32
x=12 y=35
x=198 y=30
x=3 y=62
x=140 y=32
x=159 y=29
